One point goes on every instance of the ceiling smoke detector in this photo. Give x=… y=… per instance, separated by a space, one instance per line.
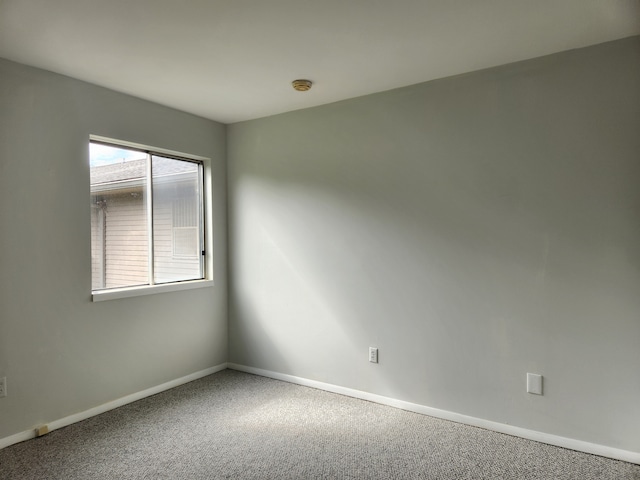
x=302 y=85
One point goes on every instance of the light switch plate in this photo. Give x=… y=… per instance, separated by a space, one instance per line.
x=534 y=383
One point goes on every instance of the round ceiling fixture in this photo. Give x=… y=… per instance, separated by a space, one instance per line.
x=302 y=85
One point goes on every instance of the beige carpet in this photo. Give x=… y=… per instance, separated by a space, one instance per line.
x=234 y=425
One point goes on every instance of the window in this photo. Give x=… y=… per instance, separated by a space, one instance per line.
x=147 y=217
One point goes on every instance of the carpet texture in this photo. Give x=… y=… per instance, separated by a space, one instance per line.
x=233 y=425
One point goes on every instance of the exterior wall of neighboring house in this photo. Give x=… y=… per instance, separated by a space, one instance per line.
x=120 y=243
x=176 y=217
x=120 y=254
x=97 y=245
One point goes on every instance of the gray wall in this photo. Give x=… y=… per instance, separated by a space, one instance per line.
x=60 y=352
x=473 y=228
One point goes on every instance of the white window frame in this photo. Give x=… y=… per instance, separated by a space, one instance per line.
x=140 y=290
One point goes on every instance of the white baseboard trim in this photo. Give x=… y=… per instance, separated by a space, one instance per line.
x=586 y=447
x=105 y=407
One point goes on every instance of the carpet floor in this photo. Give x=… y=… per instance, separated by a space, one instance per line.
x=232 y=425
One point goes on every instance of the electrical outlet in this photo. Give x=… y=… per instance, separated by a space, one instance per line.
x=3 y=387
x=373 y=354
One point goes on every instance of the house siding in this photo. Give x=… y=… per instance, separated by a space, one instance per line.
x=127 y=245
x=170 y=214
x=97 y=246
x=121 y=236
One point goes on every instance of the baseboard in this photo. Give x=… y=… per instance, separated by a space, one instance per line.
x=586 y=447
x=105 y=407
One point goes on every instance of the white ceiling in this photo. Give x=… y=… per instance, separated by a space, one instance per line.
x=233 y=60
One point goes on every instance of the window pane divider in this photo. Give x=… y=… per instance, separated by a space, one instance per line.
x=150 y=218
x=202 y=234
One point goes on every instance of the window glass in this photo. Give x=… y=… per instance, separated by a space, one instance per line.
x=119 y=225
x=177 y=241
x=146 y=218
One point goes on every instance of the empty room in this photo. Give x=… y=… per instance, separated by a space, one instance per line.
x=331 y=239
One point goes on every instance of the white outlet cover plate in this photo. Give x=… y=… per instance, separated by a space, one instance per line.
x=373 y=354
x=534 y=383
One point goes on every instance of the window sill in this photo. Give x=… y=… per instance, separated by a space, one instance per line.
x=112 y=294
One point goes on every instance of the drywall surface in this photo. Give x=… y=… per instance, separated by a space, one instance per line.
x=61 y=353
x=474 y=229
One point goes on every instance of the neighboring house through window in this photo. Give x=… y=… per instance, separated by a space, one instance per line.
x=147 y=217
